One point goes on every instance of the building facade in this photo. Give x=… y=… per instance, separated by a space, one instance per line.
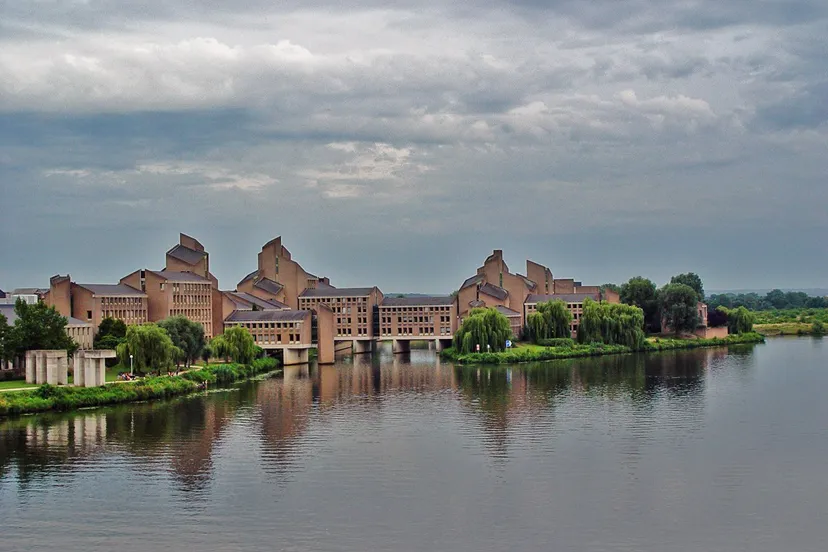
x=417 y=317
x=353 y=309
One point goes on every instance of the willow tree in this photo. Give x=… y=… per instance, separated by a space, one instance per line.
x=552 y=319
x=739 y=320
x=236 y=343
x=150 y=347
x=613 y=324
x=487 y=328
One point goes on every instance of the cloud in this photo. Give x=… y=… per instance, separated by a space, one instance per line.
x=404 y=125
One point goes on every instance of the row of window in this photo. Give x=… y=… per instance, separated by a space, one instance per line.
x=415 y=309
x=335 y=300
x=122 y=300
x=417 y=330
x=120 y=314
x=276 y=339
x=191 y=299
x=349 y=332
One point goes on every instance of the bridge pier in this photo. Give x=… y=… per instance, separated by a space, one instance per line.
x=443 y=344
x=362 y=346
x=401 y=346
x=295 y=356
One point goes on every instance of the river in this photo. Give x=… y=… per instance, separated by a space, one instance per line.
x=704 y=450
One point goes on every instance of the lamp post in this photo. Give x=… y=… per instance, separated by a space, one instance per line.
x=130 y=365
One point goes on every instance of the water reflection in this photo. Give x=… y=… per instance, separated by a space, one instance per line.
x=182 y=435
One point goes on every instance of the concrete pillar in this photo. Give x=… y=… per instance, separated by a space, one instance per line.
x=401 y=346
x=31 y=367
x=78 y=369
x=295 y=356
x=40 y=368
x=56 y=367
x=362 y=346
x=440 y=344
x=90 y=377
x=94 y=367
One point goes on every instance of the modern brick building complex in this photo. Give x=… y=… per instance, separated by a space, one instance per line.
x=91 y=303
x=353 y=310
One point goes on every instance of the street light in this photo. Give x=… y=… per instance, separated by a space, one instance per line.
x=130 y=365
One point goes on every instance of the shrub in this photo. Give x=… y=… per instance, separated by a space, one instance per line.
x=557 y=342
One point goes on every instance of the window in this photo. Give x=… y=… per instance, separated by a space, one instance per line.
x=162 y=286
x=89 y=315
x=276 y=265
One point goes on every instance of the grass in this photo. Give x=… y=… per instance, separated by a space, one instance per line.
x=15 y=384
x=49 y=397
x=526 y=352
x=784 y=328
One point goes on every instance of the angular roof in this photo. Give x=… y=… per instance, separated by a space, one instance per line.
x=175 y=276
x=476 y=279
x=417 y=301
x=477 y=303
x=250 y=276
x=267 y=316
x=269 y=286
x=565 y=297
x=28 y=291
x=71 y=321
x=186 y=255
x=336 y=292
x=494 y=291
x=115 y=290
x=244 y=301
x=2 y=294
x=507 y=311
x=529 y=283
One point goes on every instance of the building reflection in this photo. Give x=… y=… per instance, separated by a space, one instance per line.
x=284 y=418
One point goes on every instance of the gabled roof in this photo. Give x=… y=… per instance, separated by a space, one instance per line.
x=507 y=311
x=565 y=297
x=474 y=280
x=269 y=286
x=267 y=316
x=28 y=291
x=494 y=291
x=417 y=301
x=186 y=255
x=336 y=292
x=113 y=290
x=477 y=303
x=175 y=276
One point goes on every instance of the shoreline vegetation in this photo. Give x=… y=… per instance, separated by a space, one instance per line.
x=51 y=398
x=526 y=352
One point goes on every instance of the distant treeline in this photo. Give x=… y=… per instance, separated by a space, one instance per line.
x=776 y=299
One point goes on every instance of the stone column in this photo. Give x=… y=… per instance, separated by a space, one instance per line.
x=51 y=367
x=401 y=346
x=40 y=368
x=31 y=367
x=63 y=368
x=90 y=375
x=78 y=369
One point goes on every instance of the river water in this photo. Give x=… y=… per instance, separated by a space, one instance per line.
x=706 y=450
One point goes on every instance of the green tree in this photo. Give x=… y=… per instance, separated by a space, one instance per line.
x=187 y=336
x=111 y=333
x=556 y=320
x=818 y=328
x=612 y=287
x=485 y=327
x=5 y=346
x=690 y=279
x=206 y=354
x=679 y=307
x=151 y=347
x=236 y=343
x=739 y=320
x=39 y=327
x=613 y=324
x=641 y=292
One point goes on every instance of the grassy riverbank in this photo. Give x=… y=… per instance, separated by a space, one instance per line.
x=49 y=397
x=531 y=353
x=785 y=328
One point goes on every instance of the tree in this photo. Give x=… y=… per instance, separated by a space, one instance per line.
x=739 y=320
x=776 y=298
x=485 y=327
x=690 y=279
x=613 y=324
x=39 y=327
x=818 y=328
x=641 y=292
x=679 y=307
x=716 y=318
x=5 y=346
x=187 y=336
x=151 y=347
x=553 y=320
x=236 y=343
x=206 y=353
x=612 y=287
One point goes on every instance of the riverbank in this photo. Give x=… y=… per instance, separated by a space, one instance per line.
x=786 y=328
x=49 y=397
x=534 y=353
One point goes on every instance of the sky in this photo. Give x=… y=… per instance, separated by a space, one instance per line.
x=398 y=143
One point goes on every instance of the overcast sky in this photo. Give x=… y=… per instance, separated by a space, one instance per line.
x=397 y=143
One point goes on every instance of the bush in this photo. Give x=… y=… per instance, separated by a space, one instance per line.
x=49 y=397
x=818 y=328
x=557 y=342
